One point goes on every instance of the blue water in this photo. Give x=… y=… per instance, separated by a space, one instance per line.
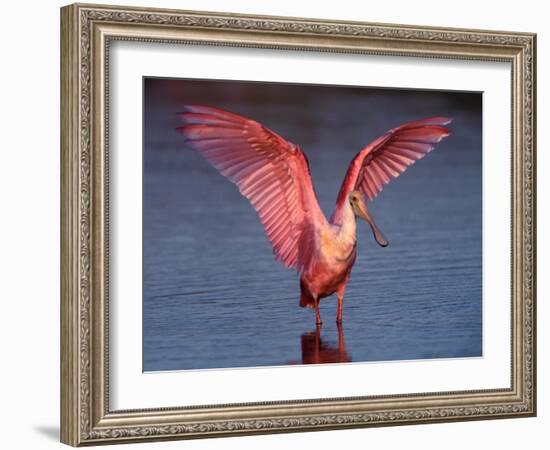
x=214 y=297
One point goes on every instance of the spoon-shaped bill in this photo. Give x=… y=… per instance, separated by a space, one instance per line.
x=362 y=211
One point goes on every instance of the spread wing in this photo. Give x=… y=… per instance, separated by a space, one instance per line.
x=272 y=173
x=388 y=157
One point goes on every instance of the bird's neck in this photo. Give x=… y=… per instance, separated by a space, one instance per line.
x=348 y=227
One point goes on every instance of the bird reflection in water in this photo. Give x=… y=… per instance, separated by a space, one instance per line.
x=317 y=351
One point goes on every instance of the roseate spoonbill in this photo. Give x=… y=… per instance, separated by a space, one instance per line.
x=273 y=174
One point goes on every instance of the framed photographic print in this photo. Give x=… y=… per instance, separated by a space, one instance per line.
x=276 y=225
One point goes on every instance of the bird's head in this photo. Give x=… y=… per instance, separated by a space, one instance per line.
x=359 y=205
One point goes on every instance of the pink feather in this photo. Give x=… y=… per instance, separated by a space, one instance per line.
x=388 y=157
x=272 y=173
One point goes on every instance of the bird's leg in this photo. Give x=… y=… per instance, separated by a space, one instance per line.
x=340 y=293
x=340 y=309
x=318 y=320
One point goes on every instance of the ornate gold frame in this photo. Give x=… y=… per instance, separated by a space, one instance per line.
x=86 y=31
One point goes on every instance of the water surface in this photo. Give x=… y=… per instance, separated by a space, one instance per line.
x=214 y=297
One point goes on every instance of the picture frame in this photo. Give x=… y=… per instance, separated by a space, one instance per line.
x=87 y=34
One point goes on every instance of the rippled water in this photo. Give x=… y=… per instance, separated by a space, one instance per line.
x=214 y=297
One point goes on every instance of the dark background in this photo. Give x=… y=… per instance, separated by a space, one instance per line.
x=215 y=297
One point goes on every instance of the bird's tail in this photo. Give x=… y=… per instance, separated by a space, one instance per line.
x=306 y=300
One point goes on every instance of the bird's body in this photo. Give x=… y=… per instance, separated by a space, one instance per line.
x=330 y=264
x=273 y=174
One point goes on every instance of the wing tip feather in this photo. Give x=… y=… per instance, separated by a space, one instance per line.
x=435 y=130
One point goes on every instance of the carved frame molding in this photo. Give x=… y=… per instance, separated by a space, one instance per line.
x=86 y=32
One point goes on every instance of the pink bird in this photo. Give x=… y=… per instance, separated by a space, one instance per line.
x=273 y=174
